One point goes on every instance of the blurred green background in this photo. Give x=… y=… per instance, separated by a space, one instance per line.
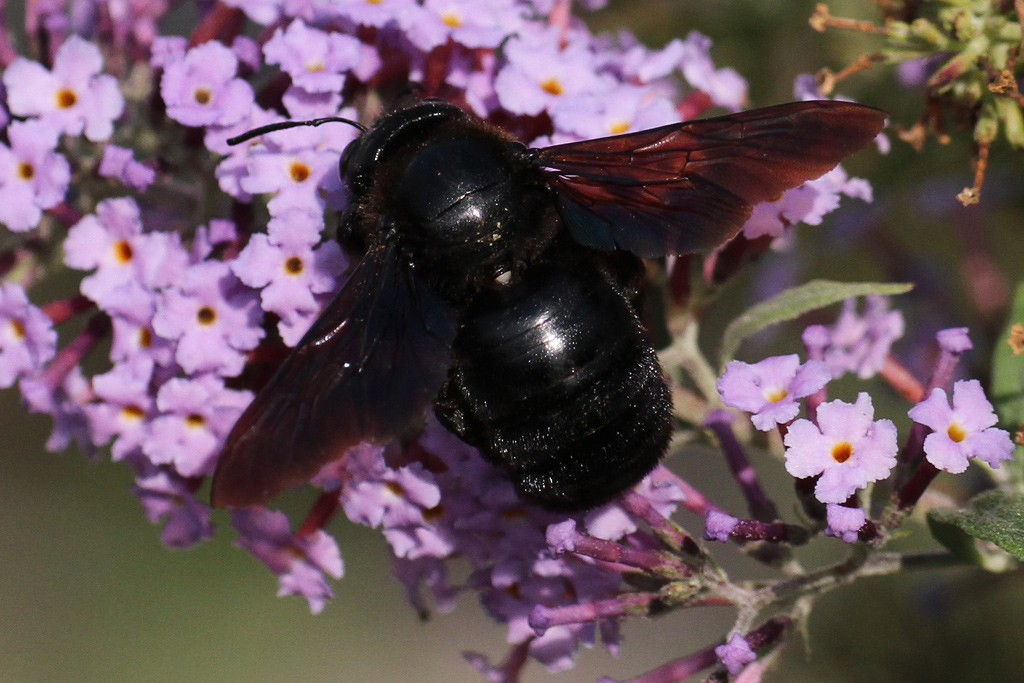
x=87 y=593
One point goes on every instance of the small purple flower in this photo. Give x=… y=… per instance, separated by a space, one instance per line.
x=27 y=338
x=119 y=163
x=112 y=242
x=626 y=108
x=200 y=89
x=735 y=654
x=847 y=447
x=74 y=97
x=196 y=416
x=64 y=400
x=538 y=74
x=297 y=166
x=300 y=562
x=844 y=522
x=471 y=23
x=214 y=318
x=316 y=61
x=166 y=496
x=965 y=430
x=33 y=177
x=770 y=388
x=861 y=343
x=125 y=405
x=285 y=264
x=131 y=313
x=808 y=204
x=380 y=13
x=726 y=87
x=718 y=526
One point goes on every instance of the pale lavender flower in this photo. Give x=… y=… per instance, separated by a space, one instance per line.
x=965 y=430
x=625 y=108
x=111 y=241
x=65 y=401
x=726 y=87
x=718 y=525
x=298 y=166
x=315 y=60
x=200 y=89
x=33 y=176
x=119 y=163
x=847 y=447
x=471 y=23
x=196 y=416
x=861 y=343
x=735 y=654
x=74 y=97
x=808 y=204
x=299 y=561
x=124 y=406
x=844 y=522
x=27 y=338
x=537 y=73
x=291 y=269
x=165 y=496
x=380 y=13
x=769 y=389
x=214 y=318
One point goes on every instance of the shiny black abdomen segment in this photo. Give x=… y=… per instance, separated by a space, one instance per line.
x=554 y=380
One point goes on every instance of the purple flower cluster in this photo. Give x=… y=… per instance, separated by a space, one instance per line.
x=841 y=448
x=194 y=299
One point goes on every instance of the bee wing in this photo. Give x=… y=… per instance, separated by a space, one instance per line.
x=371 y=364
x=692 y=185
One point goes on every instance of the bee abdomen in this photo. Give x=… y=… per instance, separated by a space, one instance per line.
x=554 y=380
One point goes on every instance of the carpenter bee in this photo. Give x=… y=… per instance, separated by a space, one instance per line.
x=484 y=289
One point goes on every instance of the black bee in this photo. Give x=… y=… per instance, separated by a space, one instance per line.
x=484 y=290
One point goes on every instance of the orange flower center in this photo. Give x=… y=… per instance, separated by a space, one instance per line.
x=956 y=433
x=552 y=86
x=203 y=96
x=299 y=171
x=842 y=451
x=195 y=420
x=294 y=265
x=66 y=98
x=26 y=171
x=123 y=251
x=206 y=316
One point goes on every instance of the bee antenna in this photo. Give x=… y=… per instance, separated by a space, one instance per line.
x=282 y=125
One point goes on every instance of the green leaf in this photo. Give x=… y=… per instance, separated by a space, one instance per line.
x=994 y=516
x=795 y=302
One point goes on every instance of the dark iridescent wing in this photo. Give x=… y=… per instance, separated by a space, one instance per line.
x=692 y=185
x=370 y=365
